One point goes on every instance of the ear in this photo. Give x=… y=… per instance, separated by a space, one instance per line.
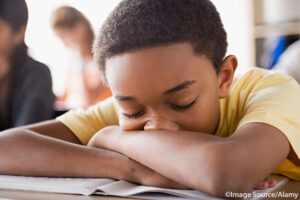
x=225 y=76
x=20 y=35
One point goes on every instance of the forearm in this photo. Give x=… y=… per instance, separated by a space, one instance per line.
x=201 y=161
x=27 y=153
x=181 y=156
x=24 y=152
x=193 y=159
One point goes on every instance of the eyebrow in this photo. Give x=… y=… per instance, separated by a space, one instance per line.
x=179 y=87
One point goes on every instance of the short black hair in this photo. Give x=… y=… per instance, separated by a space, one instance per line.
x=139 y=24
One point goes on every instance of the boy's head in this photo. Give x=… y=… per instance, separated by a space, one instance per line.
x=136 y=24
x=160 y=59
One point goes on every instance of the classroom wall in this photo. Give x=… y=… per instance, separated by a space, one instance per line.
x=238 y=21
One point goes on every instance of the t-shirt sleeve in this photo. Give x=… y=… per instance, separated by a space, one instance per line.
x=85 y=123
x=274 y=100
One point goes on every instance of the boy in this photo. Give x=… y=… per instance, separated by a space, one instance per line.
x=180 y=118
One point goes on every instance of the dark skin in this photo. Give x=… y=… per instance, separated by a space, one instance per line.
x=51 y=149
x=167 y=107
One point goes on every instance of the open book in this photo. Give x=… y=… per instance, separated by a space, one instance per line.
x=97 y=186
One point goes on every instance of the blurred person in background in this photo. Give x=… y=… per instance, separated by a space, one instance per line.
x=83 y=82
x=289 y=61
x=26 y=93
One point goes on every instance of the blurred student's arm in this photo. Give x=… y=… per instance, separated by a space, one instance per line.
x=94 y=89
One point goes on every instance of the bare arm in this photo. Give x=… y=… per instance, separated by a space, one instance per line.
x=25 y=152
x=54 y=129
x=201 y=161
x=51 y=149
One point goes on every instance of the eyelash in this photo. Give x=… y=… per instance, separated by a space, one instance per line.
x=135 y=115
x=175 y=107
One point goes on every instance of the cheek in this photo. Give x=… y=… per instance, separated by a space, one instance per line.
x=204 y=117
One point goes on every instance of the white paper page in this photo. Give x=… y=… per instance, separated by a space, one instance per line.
x=159 y=196
x=155 y=196
x=124 y=188
x=85 y=186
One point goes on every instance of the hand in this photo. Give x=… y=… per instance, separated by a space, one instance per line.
x=265 y=184
x=143 y=175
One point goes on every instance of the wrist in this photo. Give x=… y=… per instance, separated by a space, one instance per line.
x=108 y=164
x=132 y=171
x=111 y=138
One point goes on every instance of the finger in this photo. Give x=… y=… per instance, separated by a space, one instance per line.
x=263 y=185
x=272 y=182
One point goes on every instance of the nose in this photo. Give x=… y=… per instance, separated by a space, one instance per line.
x=161 y=124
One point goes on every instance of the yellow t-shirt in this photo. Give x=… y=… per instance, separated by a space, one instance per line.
x=257 y=96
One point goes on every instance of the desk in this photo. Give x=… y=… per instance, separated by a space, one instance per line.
x=289 y=187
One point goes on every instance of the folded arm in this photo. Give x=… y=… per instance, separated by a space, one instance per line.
x=51 y=149
x=201 y=161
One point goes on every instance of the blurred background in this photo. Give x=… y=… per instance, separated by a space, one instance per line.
x=45 y=46
x=258 y=30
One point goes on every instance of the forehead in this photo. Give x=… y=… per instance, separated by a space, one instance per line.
x=156 y=67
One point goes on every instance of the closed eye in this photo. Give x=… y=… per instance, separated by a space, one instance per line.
x=183 y=107
x=135 y=115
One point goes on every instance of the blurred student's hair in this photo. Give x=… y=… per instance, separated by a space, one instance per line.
x=67 y=17
x=15 y=13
